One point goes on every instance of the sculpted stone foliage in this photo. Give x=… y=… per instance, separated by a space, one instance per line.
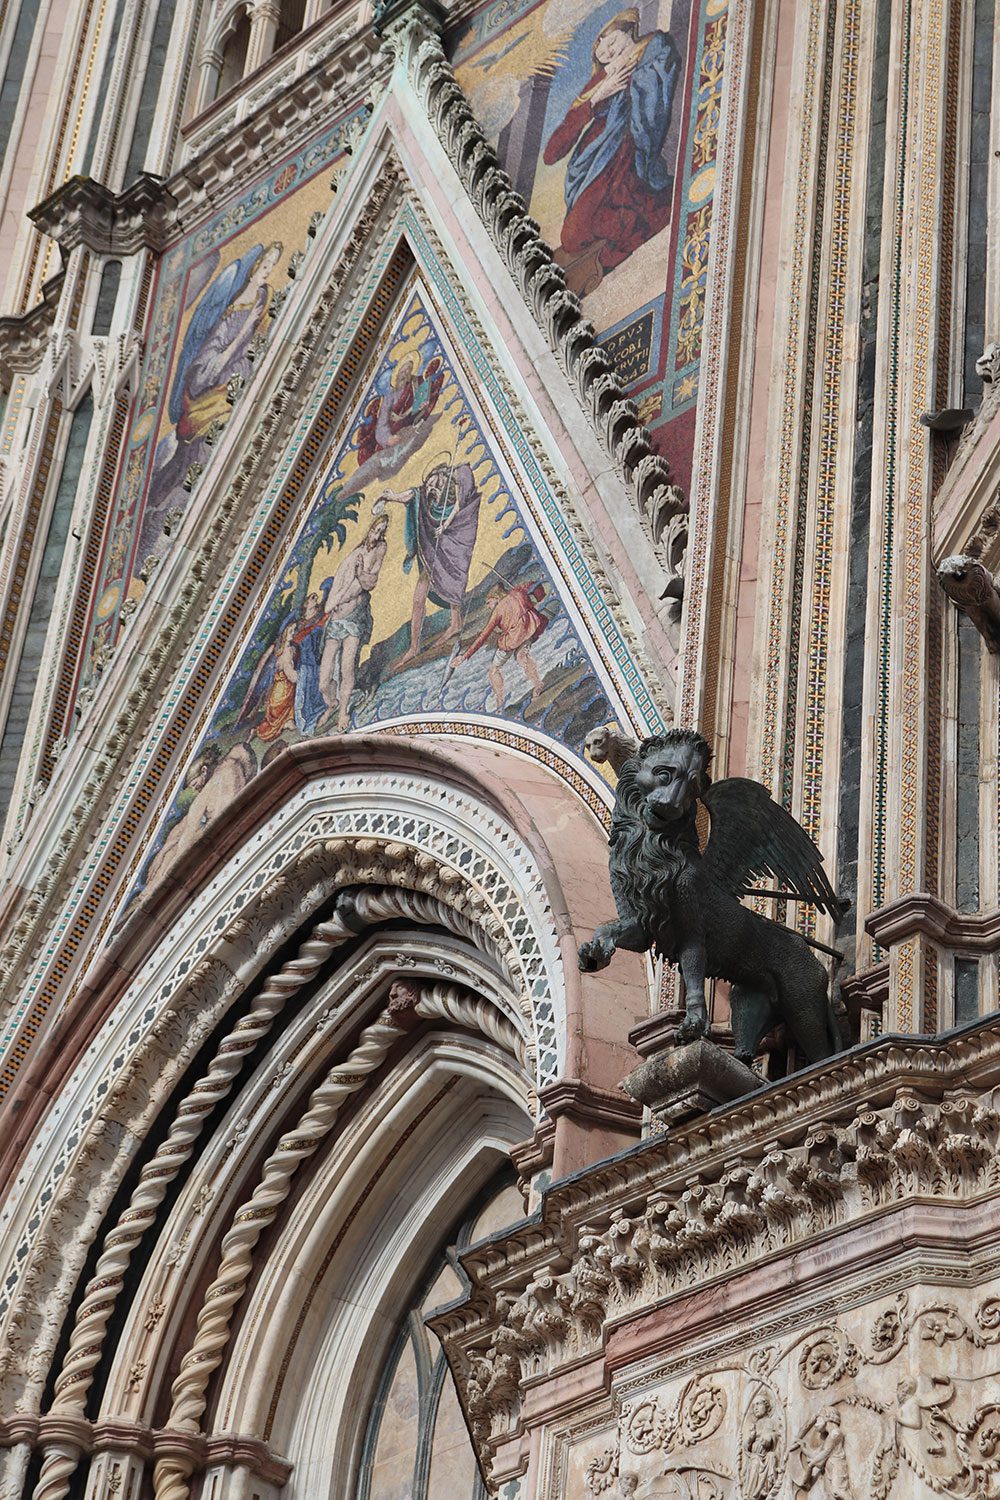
x=890 y=1402
x=650 y=1233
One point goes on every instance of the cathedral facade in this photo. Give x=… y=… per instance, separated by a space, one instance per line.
x=407 y=414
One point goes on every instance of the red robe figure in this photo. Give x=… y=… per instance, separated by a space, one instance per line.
x=618 y=184
x=516 y=621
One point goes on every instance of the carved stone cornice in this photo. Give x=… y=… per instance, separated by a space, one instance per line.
x=866 y=990
x=410 y=29
x=806 y=1160
x=924 y=915
x=592 y=1106
x=24 y=339
x=278 y=109
x=85 y=212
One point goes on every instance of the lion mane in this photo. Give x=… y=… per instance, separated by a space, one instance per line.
x=644 y=862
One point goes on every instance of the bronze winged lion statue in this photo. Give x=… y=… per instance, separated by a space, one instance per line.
x=684 y=901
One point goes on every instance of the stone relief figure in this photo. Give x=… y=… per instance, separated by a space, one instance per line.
x=684 y=901
x=820 y=1453
x=761 y=1453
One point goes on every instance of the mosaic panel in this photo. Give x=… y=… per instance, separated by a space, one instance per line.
x=607 y=121
x=416 y=587
x=217 y=294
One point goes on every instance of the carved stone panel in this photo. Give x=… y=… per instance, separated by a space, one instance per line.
x=897 y=1398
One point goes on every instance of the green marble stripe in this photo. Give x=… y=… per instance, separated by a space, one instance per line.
x=29 y=666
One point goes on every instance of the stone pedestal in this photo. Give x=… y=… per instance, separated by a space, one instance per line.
x=678 y=1083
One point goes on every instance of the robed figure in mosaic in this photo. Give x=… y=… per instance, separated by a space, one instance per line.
x=442 y=519
x=618 y=185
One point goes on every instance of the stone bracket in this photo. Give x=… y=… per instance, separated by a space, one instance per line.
x=85 y=212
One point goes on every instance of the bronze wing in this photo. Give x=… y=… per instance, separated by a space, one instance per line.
x=753 y=838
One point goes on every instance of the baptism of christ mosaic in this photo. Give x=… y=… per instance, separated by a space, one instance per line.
x=417 y=587
x=606 y=118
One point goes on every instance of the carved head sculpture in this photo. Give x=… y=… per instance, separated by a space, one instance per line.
x=668 y=775
x=609 y=745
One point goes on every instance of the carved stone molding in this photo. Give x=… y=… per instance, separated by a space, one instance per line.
x=592 y=1106
x=119 y=1433
x=411 y=31
x=845 y=1143
x=346 y=1078
x=925 y=915
x=84 y=212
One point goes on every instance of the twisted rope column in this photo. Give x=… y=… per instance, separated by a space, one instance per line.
x=356 y=910
x=172 y=1473
x=87 y=1339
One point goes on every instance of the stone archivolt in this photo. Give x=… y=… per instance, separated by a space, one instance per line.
x=414 y=852
x=838 y=1149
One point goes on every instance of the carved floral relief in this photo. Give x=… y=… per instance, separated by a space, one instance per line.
x=897 y=1400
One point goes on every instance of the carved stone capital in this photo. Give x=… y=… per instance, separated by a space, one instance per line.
x=250 y=1453
x=84 y=212
x=583 y=1102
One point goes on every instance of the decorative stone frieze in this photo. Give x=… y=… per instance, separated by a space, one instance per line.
x=893 y=1398
x=823 y=1153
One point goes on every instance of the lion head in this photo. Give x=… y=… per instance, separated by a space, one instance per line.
x=653 y=830
x=608 y=745
x=666 y=776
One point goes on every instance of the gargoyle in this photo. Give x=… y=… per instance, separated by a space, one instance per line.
x=969 y=584
x=684 y=902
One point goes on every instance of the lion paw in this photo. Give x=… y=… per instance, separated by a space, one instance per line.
x=694 y=1025
x=595 y=954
